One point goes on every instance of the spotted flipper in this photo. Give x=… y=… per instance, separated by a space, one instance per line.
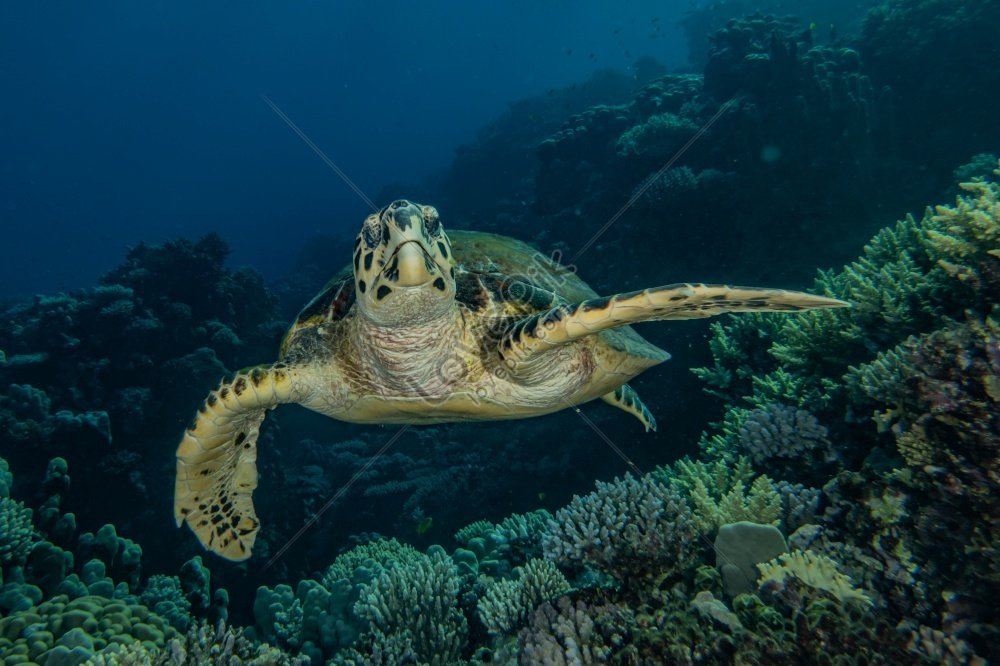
x=563 y=324
x=217 y=459
x=624 y=397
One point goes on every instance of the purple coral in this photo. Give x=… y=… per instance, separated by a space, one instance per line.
x=782 y=439
x=628 y=528
x=563 y=635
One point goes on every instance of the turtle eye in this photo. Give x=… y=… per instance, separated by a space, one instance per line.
x=372 y=231
x=432 y=223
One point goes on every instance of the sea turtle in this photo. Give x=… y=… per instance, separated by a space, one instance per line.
x=433 y=327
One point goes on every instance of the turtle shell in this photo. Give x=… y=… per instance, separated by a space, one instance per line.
x=494 y=274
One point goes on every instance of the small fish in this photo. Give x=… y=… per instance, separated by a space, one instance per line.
x=424 y=525
x=812 y=26
x=541 y=497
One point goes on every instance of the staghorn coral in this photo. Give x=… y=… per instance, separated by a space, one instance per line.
x=911 y=278
x=477 y=530
x=519 y=536
x=799 y=505
x=316 y=618
x=631 y=529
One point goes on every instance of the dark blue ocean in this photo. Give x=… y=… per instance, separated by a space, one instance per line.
x=500 y=333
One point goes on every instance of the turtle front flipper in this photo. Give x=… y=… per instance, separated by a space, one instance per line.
x=217 y=459
x=625 y=398
x=562 y=324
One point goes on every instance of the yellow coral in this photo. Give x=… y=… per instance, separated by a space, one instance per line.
x=887 y=509
x=914 y=447
x=816 y=571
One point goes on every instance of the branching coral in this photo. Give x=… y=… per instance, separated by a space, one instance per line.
x=632 y=529
x=788 y=442
x=506 y=603
x=17 y=533
x=367 y=560
x=563 y=635
x=659 y=137
x=418 y=604
x=719 y=494
x=815 y=571
x=911 y=280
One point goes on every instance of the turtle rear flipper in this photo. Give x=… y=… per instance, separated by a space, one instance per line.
x=217 y=460
x=562 y=324
x=625 y=398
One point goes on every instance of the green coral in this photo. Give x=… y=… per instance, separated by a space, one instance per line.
x=317 y=618
x=121 y=555
x=60 y=627
x=659 y=136
x=480 y=529
x=17 y=533
x=815 y=571
x=720 y=494
x=362 y=562
x=505 y=604
x=416 y=605
x=6 y=478
x=203 y=645
x=163 y=594
x=910 y=279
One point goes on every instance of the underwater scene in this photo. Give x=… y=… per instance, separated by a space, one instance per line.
x=563 y=333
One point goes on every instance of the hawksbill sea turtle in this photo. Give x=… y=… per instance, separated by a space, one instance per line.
x=432 y=327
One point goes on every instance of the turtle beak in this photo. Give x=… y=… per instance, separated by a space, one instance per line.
x=411 y=263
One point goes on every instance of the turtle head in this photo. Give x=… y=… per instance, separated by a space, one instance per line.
x=403 y=267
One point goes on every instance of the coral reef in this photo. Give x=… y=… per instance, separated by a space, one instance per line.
x=910 y=381
x=630 y=529
x=924 y=48
x=506 y=604
x=415 y=608
x=789 y=442
x=817 y=572
x=563 y=634
x=843 y=509
x=93 y=375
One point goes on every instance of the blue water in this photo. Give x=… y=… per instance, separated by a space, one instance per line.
x=126 y=123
